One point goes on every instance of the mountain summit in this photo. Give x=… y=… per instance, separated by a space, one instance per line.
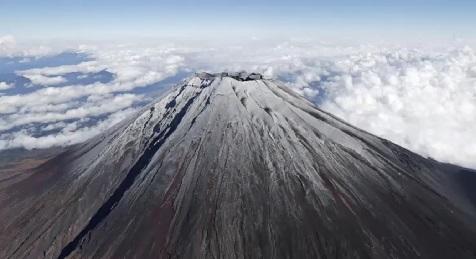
x=233 y=165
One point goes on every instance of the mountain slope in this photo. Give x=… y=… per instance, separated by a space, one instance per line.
x=236 y=166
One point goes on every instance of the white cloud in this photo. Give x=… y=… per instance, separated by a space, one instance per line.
x=7 y=44
x=10 y=47
x=45 y=80
x=5 y=86
x=84 y=67
x=68 y=136
x=94 y=106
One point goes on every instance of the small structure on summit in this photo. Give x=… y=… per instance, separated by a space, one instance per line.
x=240 y=76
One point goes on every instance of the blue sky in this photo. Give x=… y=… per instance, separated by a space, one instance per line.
x=119 y=19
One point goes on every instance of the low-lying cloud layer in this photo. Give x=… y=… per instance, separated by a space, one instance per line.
x=426 y=103
x=54 y=115
x=423 y=100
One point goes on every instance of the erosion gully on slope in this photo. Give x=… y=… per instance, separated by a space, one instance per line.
x=131 y=176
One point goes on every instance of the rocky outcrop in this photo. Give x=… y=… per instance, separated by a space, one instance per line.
x=232 y=165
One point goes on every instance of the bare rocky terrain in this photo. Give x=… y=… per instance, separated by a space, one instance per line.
x=236 y=166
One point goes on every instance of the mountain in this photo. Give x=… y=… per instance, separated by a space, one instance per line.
x=232 y=165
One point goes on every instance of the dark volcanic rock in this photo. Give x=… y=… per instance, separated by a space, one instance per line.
x=235 y=166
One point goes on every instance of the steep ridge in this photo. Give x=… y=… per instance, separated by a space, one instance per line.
x=232 y=165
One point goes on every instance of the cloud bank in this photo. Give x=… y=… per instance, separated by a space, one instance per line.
x=426 y=103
